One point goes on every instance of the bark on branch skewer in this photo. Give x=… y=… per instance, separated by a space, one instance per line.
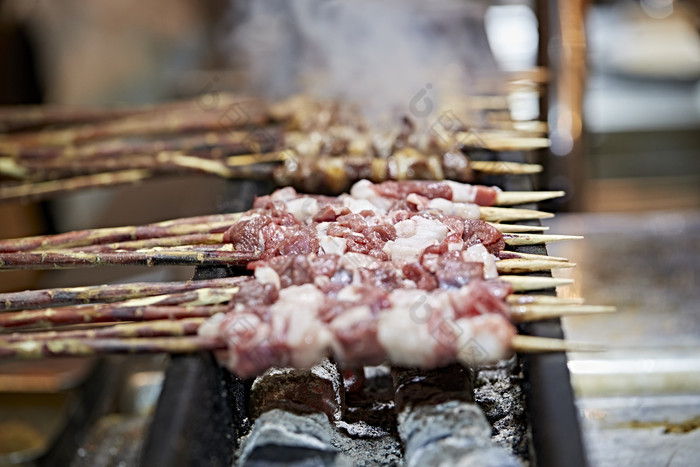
x=156 y=328
x=182 y=226
x=107 y=313
x=247 y=113
x=31 y=299
x=212 y=256
x=207 y=255
x=33 y=117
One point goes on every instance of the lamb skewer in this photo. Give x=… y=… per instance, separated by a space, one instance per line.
x=325 y=174
x=239 y=240
x=449 y=269
x=192 y=344
x=31 y=299
x=183 y=323
x=210 y=224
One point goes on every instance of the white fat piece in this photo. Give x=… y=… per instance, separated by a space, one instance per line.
x=303 y=208
x=267 y=275
x=484 y=339
x=332 y=245
x=479 y=254
x=306 y=335
x=463 y=210
x=351 y=317
x=322 y=228
x=414 y=235
x=462 y=192
x=284 y=194
x=358 y=205
x=405 y=337
x=354 y=260
x=364 y=190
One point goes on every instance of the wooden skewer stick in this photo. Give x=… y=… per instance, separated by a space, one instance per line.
x=8 y=166
x=517 y=228
x=534 y=344
x=500 y=142
x=157 y=328
x=56 y=297
x=516 y=254
x=518 y=299
x=515 y=239
x=522 y=197
x=536 y=312
x=527 y=283
x=495 y=214
x=517 y=265
x=504 y=168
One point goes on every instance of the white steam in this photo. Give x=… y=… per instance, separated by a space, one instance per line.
x=392 y=56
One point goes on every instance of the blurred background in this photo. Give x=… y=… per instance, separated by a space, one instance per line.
x=618 y=83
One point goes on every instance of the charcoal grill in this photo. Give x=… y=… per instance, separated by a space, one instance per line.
x=203 y=410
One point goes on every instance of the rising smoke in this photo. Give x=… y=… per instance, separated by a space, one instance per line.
x=383 y=54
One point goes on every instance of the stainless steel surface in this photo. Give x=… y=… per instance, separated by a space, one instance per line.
x=640 y=400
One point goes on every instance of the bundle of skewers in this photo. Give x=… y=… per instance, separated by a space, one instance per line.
x=415 y=273
x=47 y=151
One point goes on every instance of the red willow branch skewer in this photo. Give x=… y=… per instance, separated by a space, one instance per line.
x=85 y=347
x=31 y=299
x=191 y=225
x=182 y=226
x=202 y=255
x=156 y=328
x=34 y=117
x=247 y=112
x=182 y=256
x=115 y=154
x=106 y=313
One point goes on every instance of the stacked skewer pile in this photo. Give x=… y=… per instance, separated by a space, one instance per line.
x=47 y=151
x=392 y=248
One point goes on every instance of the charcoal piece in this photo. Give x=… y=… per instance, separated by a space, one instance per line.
x=319 y=389
x=416 y=387
x=449 y=433
x=279 y=437
x=370 y=409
